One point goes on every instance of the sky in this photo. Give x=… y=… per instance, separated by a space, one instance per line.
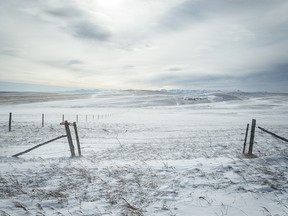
x=145 y=44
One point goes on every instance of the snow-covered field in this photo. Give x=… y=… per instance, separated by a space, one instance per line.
x=146 y=153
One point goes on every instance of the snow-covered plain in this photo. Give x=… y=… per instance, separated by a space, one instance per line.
x=146 y=153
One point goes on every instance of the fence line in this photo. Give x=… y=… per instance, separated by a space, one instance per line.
x=152 y=136
x=41 y=118
x=156 y=138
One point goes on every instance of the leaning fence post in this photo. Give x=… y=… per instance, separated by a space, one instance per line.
x=71 y=146
x=246 y=135
x=37 y=146
x=273 y=134
x=10 y=121
x=252 y=135
x=77 y=138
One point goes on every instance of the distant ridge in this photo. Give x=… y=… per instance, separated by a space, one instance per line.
x=189 y=91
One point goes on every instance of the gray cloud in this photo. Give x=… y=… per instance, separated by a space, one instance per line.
x=181 y=15
x=274 y=74
x=78 y=23
x=265 y=19
x=70 y=18
x=89 y=30
x=182 y=79
x=197 y=10
x=70 y=65
x=75 y=62
x=175 y=68
x=11 y=52
x=272 y=79
x=64 y=12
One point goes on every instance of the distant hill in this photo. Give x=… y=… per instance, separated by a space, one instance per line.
x=189 y=91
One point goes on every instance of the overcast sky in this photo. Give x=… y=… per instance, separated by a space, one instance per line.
x=146 y=44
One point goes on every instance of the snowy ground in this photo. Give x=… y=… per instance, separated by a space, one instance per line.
x=146 y=153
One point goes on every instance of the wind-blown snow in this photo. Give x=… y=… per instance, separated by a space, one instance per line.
x=146 y=153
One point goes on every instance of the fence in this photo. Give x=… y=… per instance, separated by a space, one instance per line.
x=25 y=121
x=97 y=135
x=252 y=137
x=69 y=137
x=41 y=118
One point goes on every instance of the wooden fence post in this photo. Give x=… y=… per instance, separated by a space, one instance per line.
x=246 y=135
x=252 y=135
x=42 y=120
x=10 y=121
x=77 y=118
x=71 y=146
x=77 y=138
x=86 y=118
